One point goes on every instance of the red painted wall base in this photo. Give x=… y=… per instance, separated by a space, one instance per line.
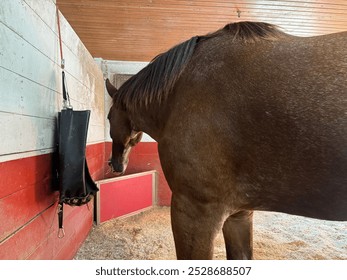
x=125 y=195
x=28 y=205
x=28 y=209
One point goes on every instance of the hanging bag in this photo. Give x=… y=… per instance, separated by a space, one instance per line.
x=76 y=186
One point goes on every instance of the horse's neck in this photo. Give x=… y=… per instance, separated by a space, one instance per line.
x=150 y=120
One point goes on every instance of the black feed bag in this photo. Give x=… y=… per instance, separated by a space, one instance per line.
x=75 y=183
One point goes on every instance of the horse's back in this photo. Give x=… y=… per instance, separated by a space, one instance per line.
x=274 y=114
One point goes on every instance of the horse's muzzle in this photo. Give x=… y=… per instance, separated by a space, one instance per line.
x=117 y=168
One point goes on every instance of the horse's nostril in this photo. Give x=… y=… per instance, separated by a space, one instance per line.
x=115 y=166
x=118 y=168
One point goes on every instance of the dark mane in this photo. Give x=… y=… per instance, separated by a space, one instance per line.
x=250 y=32
x=154 y=82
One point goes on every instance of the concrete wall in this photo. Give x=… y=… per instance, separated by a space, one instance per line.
x=30 y=97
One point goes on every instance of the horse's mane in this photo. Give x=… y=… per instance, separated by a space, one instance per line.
x=250 y=32
x=154 y=82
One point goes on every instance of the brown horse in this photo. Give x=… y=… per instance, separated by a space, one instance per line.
x=246 y=118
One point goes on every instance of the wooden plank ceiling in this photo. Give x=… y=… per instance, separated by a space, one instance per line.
x=138 y=30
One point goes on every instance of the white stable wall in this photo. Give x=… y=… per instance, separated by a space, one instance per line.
x=30 y=99
x=30 y=78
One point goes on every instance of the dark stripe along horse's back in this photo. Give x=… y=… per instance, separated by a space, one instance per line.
x=246 y=118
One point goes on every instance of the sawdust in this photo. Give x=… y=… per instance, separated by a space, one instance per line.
x=148 y=236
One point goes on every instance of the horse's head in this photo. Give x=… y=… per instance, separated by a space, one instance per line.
x=123 y=135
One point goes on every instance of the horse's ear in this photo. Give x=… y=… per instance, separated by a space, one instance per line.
x=111 y=89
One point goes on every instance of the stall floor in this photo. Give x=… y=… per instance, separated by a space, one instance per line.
x=148 y=236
